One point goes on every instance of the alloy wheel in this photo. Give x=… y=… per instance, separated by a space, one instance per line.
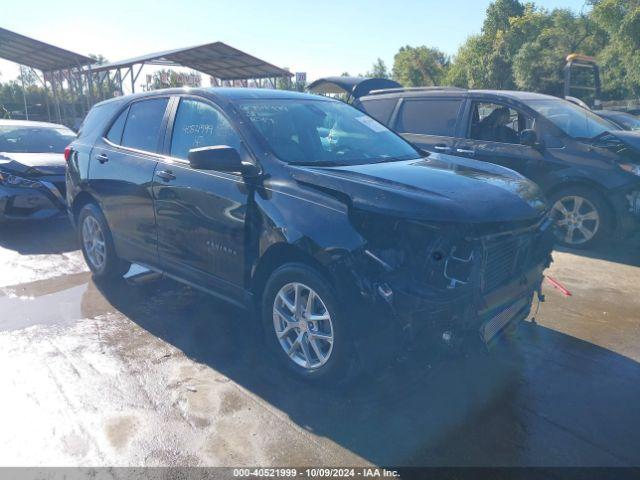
x=93 y=241
x=303 y=325
x=578 y=219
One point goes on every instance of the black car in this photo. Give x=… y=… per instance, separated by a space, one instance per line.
x=622 y=120
x=32 y=166
x=351 y=243
x=588 y=169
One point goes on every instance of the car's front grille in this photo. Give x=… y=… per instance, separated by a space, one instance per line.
x=504 y=259
x=500 y=319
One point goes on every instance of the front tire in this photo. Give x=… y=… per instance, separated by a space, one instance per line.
x=583 y=217
x=304 y=325
x=97 y=244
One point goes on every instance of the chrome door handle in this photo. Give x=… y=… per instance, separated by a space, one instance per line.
x=102 y=158
x=465 y=151
x=442 y=148
x=166 y=175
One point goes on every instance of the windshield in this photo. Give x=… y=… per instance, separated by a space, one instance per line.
x=21 y=139
x=321 y=132
x=575 y=121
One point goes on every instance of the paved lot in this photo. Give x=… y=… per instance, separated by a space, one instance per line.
x=155 y=373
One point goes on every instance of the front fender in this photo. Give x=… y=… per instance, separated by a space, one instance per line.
x=609 y=180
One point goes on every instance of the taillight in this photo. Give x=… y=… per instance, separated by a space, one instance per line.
x=67 y=153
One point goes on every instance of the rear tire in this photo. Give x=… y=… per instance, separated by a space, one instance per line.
x=97 y=244
x=317 y=350
x=583 y=217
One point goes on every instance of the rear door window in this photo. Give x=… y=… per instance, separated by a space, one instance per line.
x=429 y=116
x=98 y=116
x=380 y=109
x=142 y=128
x=115 y=132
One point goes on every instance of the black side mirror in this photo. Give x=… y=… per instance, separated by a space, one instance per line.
x=221 y=158
x=529 y=138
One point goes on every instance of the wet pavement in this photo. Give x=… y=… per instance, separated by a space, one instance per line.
x=154 y=373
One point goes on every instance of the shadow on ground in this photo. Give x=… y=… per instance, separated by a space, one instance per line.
x=39 y=237
x=625 y=251
x=539 y=398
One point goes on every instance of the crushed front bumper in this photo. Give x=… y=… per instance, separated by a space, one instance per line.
x=398 y=314
x=466 y=313
x=402 y=322
x=31 y=203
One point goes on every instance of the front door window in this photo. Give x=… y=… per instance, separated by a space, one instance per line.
x=199 y=124
x=498 y=123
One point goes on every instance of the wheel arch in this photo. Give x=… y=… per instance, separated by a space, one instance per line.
x=280 y=254
x=83 y=198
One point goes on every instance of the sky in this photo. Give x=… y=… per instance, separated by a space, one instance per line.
x=321 y=38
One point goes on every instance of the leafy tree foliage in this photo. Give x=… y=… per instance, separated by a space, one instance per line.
x=417 y=66
x=379 y=70
x=522 y=46
x=620 y=56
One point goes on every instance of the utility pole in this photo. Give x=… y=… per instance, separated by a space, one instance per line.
x=24 y=93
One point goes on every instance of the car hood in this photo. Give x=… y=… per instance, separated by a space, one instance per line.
x=629 y=138
x=33 y=164
x=440 y=188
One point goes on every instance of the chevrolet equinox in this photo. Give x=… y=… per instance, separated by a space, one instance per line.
x=350 y=243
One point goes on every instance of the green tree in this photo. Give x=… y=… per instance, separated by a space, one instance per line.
x=523 y=46
x=378 y=70
x=499 y=15
x=620 y=56
x=98 y=59
x=486 y=60
x=420 y=66
x=549 y=38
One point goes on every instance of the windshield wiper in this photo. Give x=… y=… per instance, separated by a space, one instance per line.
x=398 y=159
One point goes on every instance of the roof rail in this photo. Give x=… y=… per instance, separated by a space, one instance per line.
x=416 y=89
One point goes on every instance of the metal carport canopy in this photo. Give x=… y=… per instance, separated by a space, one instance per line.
x=216 y=59
x=36 y=54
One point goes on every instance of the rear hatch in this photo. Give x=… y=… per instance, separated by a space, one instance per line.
x=353 y=87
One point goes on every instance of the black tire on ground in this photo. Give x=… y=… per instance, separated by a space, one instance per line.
x=341 y=362
x=112 y=267
x=589 y=200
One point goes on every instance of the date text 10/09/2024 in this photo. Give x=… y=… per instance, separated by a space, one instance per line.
x=315 y=472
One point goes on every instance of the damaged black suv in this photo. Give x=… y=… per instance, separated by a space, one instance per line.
x=351 y=243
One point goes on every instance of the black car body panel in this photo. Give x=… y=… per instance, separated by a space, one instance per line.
x=408 y=244
x=449 y=189
x=556 y=162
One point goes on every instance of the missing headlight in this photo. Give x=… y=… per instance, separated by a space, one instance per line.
x=458 y=266
x=418 y=255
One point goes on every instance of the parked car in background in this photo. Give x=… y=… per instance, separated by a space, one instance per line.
x=619 y=120
x=622 y=120
x=350 y=243
x=32 y=167
x=589 y=170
